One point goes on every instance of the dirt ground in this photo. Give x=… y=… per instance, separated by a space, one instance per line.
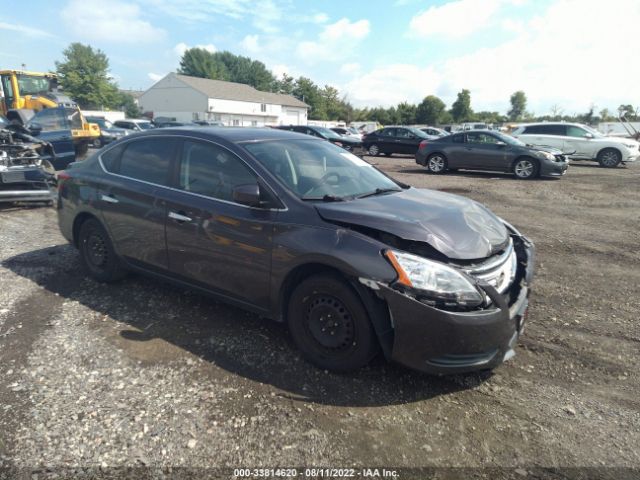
x=140 y=373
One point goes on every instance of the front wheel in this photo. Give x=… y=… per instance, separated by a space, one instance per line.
x=374 y=150
x=525 y=168
x=330 y=325
x=97 y=254
x=437 y=163
x=609 y=158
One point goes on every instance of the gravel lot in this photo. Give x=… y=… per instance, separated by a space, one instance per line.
x=141 y=373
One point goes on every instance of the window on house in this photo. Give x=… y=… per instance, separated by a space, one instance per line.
x=263 y=107
x=236 y=123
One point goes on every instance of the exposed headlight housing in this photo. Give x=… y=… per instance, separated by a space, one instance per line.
x=434 y=280
x=549 y=156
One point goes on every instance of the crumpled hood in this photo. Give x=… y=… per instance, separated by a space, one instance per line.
x=456 y=226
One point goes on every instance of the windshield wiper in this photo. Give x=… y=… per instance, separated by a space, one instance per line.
x=326 y=198
x=378 y=191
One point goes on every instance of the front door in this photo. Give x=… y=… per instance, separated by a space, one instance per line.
x=484 y=151
x=211 y=240
x=52 y=126
x=129 y=200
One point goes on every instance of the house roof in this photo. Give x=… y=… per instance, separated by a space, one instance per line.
x=238 y=91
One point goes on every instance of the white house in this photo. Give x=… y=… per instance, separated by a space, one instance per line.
x=190 y=98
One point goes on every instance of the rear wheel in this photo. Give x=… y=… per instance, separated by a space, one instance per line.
x=437 y=163
x=97 y=254
x=609 y=158
x=525 y=168
x=374 y=150
x=329 y=324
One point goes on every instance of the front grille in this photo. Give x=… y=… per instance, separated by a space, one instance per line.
x=498 y=271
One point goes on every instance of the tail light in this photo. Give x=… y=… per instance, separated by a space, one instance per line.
x=62 y=176
x=422 y=145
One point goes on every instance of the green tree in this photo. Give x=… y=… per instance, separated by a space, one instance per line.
x=518 y=106
x=198 y=62
x=430 y=110
x=626 y=111
x=406 y=113
x=127 y=103
x=84 y=77
x=308 y=92
x=461 y=109
x=605 y=115
x=284 y=85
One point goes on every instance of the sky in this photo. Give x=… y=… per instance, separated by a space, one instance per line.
x=567 y=54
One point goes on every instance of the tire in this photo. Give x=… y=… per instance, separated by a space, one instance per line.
x=609 y=158
x=373 y=150
x=97 y=143
x=97 y=255
x=525 y=168
x=437 y=163
x=329 y=324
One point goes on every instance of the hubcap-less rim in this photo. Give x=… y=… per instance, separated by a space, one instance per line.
x=524 y=168
x=609 y=159
x=436 y=164
x=373 y=150
x=330 y=324
x=96 y=251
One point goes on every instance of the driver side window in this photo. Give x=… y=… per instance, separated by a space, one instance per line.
x=210 y=170
x=577 y=132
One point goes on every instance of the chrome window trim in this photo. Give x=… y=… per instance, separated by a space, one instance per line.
x=129 y=140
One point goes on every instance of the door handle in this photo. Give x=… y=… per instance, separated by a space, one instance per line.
x=179 y=217
x=109 y=199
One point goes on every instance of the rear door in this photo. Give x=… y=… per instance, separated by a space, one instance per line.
x=454 y=149
x=129 y=199
x=551 y=135
x=387 y=140
x=212 y=240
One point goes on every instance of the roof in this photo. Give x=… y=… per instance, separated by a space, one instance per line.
x=238 y=91
x=232 y=134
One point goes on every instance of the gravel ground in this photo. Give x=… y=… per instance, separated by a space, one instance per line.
x=140 y=373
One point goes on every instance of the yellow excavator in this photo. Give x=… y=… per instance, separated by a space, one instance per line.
x=26 y=93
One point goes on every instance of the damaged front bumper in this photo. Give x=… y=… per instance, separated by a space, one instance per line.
x=439 y=341
x=26 y=184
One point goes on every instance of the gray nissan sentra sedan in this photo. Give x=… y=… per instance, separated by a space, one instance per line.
x=301 y=231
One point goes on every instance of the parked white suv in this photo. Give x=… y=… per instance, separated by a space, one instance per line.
x=587 y=143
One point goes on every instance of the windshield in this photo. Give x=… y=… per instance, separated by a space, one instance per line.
x=315 y=170
x=102 y=122
x=508 y=139
x=326 y=132
x=31 y=85
x=417 y=132
x=145 y=125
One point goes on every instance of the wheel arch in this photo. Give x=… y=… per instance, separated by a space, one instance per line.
x=77 y=224
x=376 y=308
x=604 y=149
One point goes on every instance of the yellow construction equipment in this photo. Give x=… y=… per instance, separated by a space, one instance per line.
x=28 y=92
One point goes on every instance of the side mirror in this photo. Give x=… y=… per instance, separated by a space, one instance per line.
x=588 y=135
x=35 y=129
x=247 y=195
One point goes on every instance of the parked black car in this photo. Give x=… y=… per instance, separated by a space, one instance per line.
x=349 y=144
x=390 y=140
x=300 y=231
x=484 y=150
x=108 y=131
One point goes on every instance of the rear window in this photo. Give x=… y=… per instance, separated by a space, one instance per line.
x=110 y=158
x=459 y=138
x=148 y=160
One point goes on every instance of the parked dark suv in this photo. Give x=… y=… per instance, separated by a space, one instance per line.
x=349 y=144
x=300 y=231
x=390 y=140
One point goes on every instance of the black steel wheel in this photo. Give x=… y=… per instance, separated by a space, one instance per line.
x=329 y=324
x=97 y=254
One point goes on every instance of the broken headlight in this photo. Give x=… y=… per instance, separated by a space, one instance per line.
x=434 y=280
